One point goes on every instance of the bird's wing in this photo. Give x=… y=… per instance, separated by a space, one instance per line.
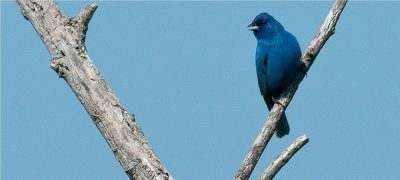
x=261 y=67
x=282 y=65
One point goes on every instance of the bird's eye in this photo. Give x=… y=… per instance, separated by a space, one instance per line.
x=264 y=22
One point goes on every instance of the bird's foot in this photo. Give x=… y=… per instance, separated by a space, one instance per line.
x=302 y=68
x=276 y=101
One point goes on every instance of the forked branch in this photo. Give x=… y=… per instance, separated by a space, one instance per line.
x=64 y=38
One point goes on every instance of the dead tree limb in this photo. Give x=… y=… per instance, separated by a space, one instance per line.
x=327 y=30
x=283 y=158
x=65 y=39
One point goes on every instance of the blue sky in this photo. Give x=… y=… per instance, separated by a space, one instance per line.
x=186 y=69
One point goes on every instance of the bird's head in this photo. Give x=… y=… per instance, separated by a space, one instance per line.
x=264 y=24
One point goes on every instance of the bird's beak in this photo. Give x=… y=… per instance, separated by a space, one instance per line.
x=253 y=27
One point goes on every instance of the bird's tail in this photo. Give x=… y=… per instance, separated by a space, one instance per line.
x=282 y=127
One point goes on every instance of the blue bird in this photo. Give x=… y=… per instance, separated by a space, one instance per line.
x=278 y=57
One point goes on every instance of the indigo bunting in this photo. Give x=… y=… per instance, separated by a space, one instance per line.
x=277 y=60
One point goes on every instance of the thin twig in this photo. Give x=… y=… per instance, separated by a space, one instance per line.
x=327 y=29
x=283 y=158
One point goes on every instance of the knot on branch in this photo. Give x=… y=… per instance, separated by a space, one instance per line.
x=332 y=31
x=58 y=66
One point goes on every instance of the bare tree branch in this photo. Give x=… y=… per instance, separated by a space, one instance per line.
x=64 y=38
x=283 y=158
x=327 y=29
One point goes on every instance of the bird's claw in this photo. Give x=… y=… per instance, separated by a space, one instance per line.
x=276 y=101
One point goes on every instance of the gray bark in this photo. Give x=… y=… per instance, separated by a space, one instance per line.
x=283 y=158
x=65 y=39
x=255 y=152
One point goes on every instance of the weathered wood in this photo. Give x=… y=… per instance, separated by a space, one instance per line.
x=65 y=39
x=283 y=158
x=327 y=30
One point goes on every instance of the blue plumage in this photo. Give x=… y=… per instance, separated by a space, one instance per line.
x=277 y=60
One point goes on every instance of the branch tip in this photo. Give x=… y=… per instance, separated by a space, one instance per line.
x=87 y=13
x=83 y=20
